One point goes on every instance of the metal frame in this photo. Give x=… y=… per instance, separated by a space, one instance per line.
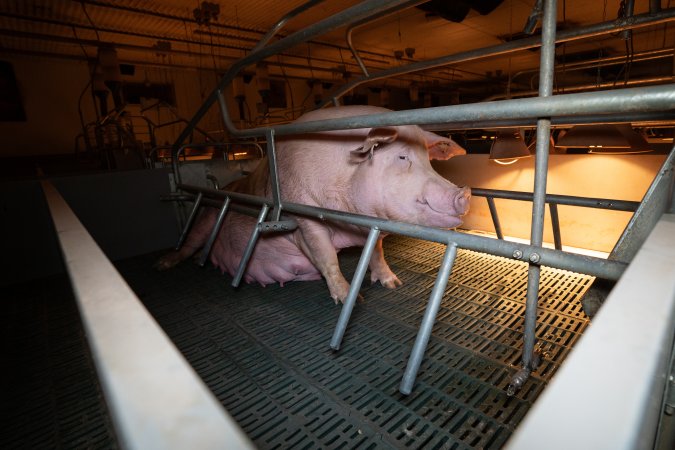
x=638 y=102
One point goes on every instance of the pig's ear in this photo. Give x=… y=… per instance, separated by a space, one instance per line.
x=442 y=148
x=376 y=136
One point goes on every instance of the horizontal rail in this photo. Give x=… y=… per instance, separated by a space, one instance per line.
x=613 y=380
x=598 y=267
x=630 y=100
x=601 y=203
x=154 y=396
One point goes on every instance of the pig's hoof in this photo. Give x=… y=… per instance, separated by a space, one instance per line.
x=390 y=282
x=166 y=262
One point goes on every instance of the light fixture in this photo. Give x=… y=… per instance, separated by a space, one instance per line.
x=605 y=139
x=508 y=147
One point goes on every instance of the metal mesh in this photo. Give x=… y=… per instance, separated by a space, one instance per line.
x=264 y=351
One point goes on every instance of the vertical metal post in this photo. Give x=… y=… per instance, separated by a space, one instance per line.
x=547 y=63
x=250 y=246
x=415 y=359
x=495 y=217
x=347 y=308
x=214 y=232
x=555 y=223
x=189 y=221
x=274 y=174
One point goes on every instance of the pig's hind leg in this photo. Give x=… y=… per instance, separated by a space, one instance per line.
x=195 y=240
x=379 y=269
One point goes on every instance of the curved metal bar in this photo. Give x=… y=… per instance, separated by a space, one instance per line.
x=280 y=24
x=346 y=17
x=600 y=29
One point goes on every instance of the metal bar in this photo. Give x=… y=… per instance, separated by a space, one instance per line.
x=189 y=221
x=643 y=99
x=248 y=252
x=555 y=223
x=655 y=202
x=495 y=217
x=417 y=353
x=214 y=232
x=540 y=173
x=588 y=202
x=614 y=377
x=155 y=398
x=357 y=280
x=274 y=174
x=598 y=267
x=280 y=24
x=586 y=32
x=345 y=17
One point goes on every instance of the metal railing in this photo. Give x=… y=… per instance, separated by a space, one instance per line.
x=632 y=102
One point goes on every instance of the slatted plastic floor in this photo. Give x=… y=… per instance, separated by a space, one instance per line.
x=264 y=351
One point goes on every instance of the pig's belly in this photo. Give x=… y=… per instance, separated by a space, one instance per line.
x=276 y=258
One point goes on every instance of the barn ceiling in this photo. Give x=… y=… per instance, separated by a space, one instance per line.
x=211 y=35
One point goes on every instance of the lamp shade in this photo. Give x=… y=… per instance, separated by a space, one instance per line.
x=619 y=138
x=508 y=145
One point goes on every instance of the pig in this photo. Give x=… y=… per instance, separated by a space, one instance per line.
x=383 y=172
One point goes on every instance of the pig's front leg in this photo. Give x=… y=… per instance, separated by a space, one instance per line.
x=379 y=269
x=315 y=242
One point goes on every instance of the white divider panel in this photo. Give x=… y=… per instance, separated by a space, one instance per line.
x=156 y=399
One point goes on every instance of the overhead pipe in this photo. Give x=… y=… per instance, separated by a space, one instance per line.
x=586 y=32
x=585 y=87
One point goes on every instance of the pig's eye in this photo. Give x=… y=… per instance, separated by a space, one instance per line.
x=403 y=157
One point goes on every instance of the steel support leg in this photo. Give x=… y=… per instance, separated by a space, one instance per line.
x=274 y=174
x=250 y=246
x=555 y=223
x=428 y=320
x=189 y=221
x=495 y=217
x=539 y=196
x=347 y=308
x=214 y=232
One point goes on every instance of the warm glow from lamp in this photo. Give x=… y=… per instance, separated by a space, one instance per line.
x=605 y=139
x=508 y=147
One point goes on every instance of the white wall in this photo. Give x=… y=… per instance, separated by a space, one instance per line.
x=602 y=176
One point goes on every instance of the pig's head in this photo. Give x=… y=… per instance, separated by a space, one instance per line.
x=394 y=179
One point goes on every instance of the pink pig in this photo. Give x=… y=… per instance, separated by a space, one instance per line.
x=383 y=172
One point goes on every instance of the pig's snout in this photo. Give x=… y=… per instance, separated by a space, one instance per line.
x=462 y=200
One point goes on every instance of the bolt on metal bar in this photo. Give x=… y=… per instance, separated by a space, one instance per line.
x=590 y=265
x=214 y=232
x=495 y=217
x=588 y=202
x=420 y=346
x=555 y=223
x=274 y=174
x=248 y=252
x=189 y=221
x=540 y=173
x=357 y=280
